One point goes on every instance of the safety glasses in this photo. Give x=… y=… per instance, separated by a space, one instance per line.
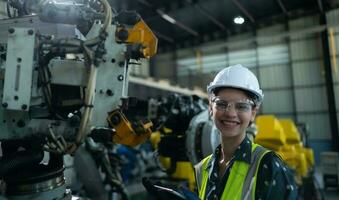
x=241 y=106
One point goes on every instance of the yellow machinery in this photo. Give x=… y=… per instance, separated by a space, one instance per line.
x=127 y=133
x=283 y=137
x=178 y=170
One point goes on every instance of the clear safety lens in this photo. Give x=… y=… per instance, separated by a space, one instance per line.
x=239 y=106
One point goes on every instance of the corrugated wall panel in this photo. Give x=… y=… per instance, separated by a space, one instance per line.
x=336 y=91
x=185 y=53
x=305 y=49
x=268 y=31
x=308 y=73
x=335 y=74
x=302 y=23
x=273 y=55
x=164 y=66
x=239 y=37
x=245 y=57
x=275 y=76
x=140 y=70
x=311 y=99
x=332 y=17
x=319 y=125
x=277 y=102
x=236 y=41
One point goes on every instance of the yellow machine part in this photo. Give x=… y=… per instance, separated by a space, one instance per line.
x=308 y=152
x=291 y=132
x=125 y=133
x=140 y=33
x=183 y=171
x=155 y=139
x=156 y=136
x=283 y=137
x=293 y=138
x=295 y=160
x=270 y=132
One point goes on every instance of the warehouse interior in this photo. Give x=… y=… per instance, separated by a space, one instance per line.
x=107 y=99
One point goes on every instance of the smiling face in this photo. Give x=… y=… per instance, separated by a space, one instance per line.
x=229 y=112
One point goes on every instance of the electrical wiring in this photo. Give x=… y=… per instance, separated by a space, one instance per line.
x=91 y=83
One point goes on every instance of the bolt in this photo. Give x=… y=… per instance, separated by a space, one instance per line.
x=21 y=123
x=11 y=30
x=30 y=32
x=19 y=59
x=120 y=77
x=115 y=119
x=24 y=107
x=16 y=98
x=109 y=92
x=113 y=60
x=122 y=34
x=4 y=105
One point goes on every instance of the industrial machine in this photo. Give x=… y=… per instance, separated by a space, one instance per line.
x=283 y=137
x=64 y=77
x=182 y=136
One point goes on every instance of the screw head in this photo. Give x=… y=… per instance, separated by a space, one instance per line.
x=115 y=119
x=120 y=77
x=109 y=92
x=11 y=30
x=24 y=107
x=4 y=105
x=30 y=32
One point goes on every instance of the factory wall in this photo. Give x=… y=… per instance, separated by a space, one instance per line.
x=3 y=13
x=288 y=60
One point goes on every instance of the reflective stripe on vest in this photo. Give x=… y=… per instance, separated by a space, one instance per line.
x=241 y=182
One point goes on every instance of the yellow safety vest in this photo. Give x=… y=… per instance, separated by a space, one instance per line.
x=242 y=180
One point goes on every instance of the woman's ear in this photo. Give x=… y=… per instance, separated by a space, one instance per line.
x=254 y=113
x=210 y=110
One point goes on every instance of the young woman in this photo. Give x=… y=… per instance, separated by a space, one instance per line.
x=240 y=169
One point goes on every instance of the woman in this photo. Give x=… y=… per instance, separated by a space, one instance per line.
x=240 y=169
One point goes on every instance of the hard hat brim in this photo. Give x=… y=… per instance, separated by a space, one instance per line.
x=211 y=88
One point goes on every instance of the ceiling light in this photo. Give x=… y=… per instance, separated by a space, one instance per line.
x=238 y=20
x=168 y=18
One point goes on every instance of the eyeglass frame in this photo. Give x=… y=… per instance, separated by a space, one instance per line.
x=250 y=104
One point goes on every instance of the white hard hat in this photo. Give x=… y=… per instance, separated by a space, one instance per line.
x=237 y=76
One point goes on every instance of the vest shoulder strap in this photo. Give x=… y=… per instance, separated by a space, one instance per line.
x=257 y=155
x=198 y=171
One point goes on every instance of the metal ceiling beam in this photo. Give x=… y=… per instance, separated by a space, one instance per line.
x=164 y=37
x=207 y=14
x=145 y=2
x=210 y=17
x=282 y=6
x=244 y=11
x=169 y=19
x=181 y=25
x=320 y=5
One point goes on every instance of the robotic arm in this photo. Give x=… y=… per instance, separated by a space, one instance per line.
x=58 y=85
